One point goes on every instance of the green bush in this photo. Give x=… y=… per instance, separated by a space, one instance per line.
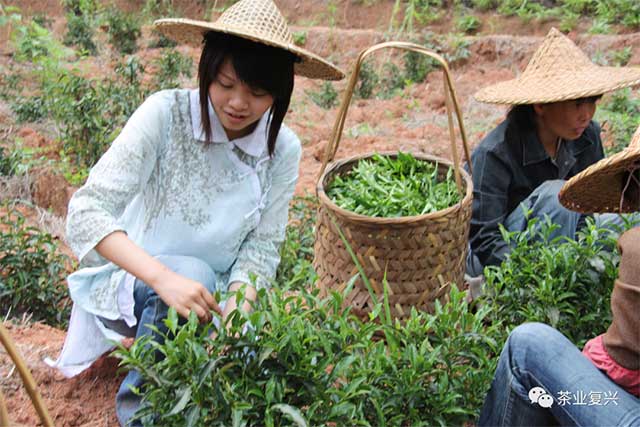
x=171 y=65
x=296 y=253
x=300 y=37
x=123 y=29
x=81 y=23
x=392 y=81
x=303 y=361
x=468 y=24
x=32 y=272
x=30 y=109
x=563 y=282
x=368 y=81
x=620 y=114
x=90 y=113
x=32 y=42
x=9 y=161
x=326 y=97
x=160 y=40
x=87 y=129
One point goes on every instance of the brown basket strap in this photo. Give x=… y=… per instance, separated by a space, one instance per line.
x=27 y=378
x=451 y=100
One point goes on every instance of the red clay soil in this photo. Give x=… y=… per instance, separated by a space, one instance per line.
x=414 y=121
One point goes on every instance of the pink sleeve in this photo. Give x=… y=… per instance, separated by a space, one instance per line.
x=595 y=351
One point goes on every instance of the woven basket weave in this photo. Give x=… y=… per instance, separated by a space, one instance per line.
x=420 y=255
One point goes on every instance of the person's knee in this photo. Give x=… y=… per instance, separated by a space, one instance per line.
x=192 y=268
x=531 y=336
x=548 y=191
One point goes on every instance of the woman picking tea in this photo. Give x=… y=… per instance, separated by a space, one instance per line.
x=192 y=196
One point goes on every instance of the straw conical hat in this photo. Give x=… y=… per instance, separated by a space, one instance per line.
x=559 y=71
x=256 y=20
x=611 y=185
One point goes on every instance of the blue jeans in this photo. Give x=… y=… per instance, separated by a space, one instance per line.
x=536 y=355
x=149 y=309
x=544 y=202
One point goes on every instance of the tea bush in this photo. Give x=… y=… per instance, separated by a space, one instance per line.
x=619 y=114
x=31 y=41
x=326 y=97
x=301 y=360
x=30 y=109
x=603 y=13
x=296 y=253
x=32 y=272
x=90 y=113
x=12 y=160
x=123 y=29
x=368 y=81
x=468 y=24
x=563 y=282
x=392 y=81
x=160 y=40
x=81 y=23
x=171 y=65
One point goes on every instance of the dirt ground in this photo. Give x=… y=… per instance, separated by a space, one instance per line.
x=416 y=121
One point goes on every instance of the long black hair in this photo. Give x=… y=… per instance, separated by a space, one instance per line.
x=257 y=65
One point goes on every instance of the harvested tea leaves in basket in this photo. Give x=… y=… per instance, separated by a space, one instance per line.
x=388 y=187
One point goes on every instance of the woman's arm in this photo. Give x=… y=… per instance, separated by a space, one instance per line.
x=176 y=291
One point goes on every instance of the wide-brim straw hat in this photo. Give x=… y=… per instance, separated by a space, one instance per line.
x=559 y=71
x=256 y=20
x=610 y=185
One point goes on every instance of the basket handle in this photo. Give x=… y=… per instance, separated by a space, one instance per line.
x=27 y=380
x=450 y=98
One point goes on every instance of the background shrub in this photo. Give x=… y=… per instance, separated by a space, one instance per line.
x=123 y=29
x=171 y=65
x=619 y=114
x=32 y=272
x=81 y=23
x=326 y=97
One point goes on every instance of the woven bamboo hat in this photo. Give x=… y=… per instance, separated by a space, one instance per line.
x=610 y=185
x=256 y=20
x=559 y=71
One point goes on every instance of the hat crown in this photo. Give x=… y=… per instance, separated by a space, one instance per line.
x=556 y=55
x=259 y=18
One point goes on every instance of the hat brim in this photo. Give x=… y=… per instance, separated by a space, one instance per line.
x=570 y=84
x=191 y=32
x=599 y=188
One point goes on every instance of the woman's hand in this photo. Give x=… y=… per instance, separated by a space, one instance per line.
x=250 y=295
x=175 y=290
x=186 y=295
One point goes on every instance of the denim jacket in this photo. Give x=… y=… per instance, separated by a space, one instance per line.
x=508 y=165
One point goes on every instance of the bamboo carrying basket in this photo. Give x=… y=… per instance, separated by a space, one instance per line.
x=420 y=255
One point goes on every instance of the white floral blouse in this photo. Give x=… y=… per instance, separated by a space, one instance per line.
x=225 y=203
